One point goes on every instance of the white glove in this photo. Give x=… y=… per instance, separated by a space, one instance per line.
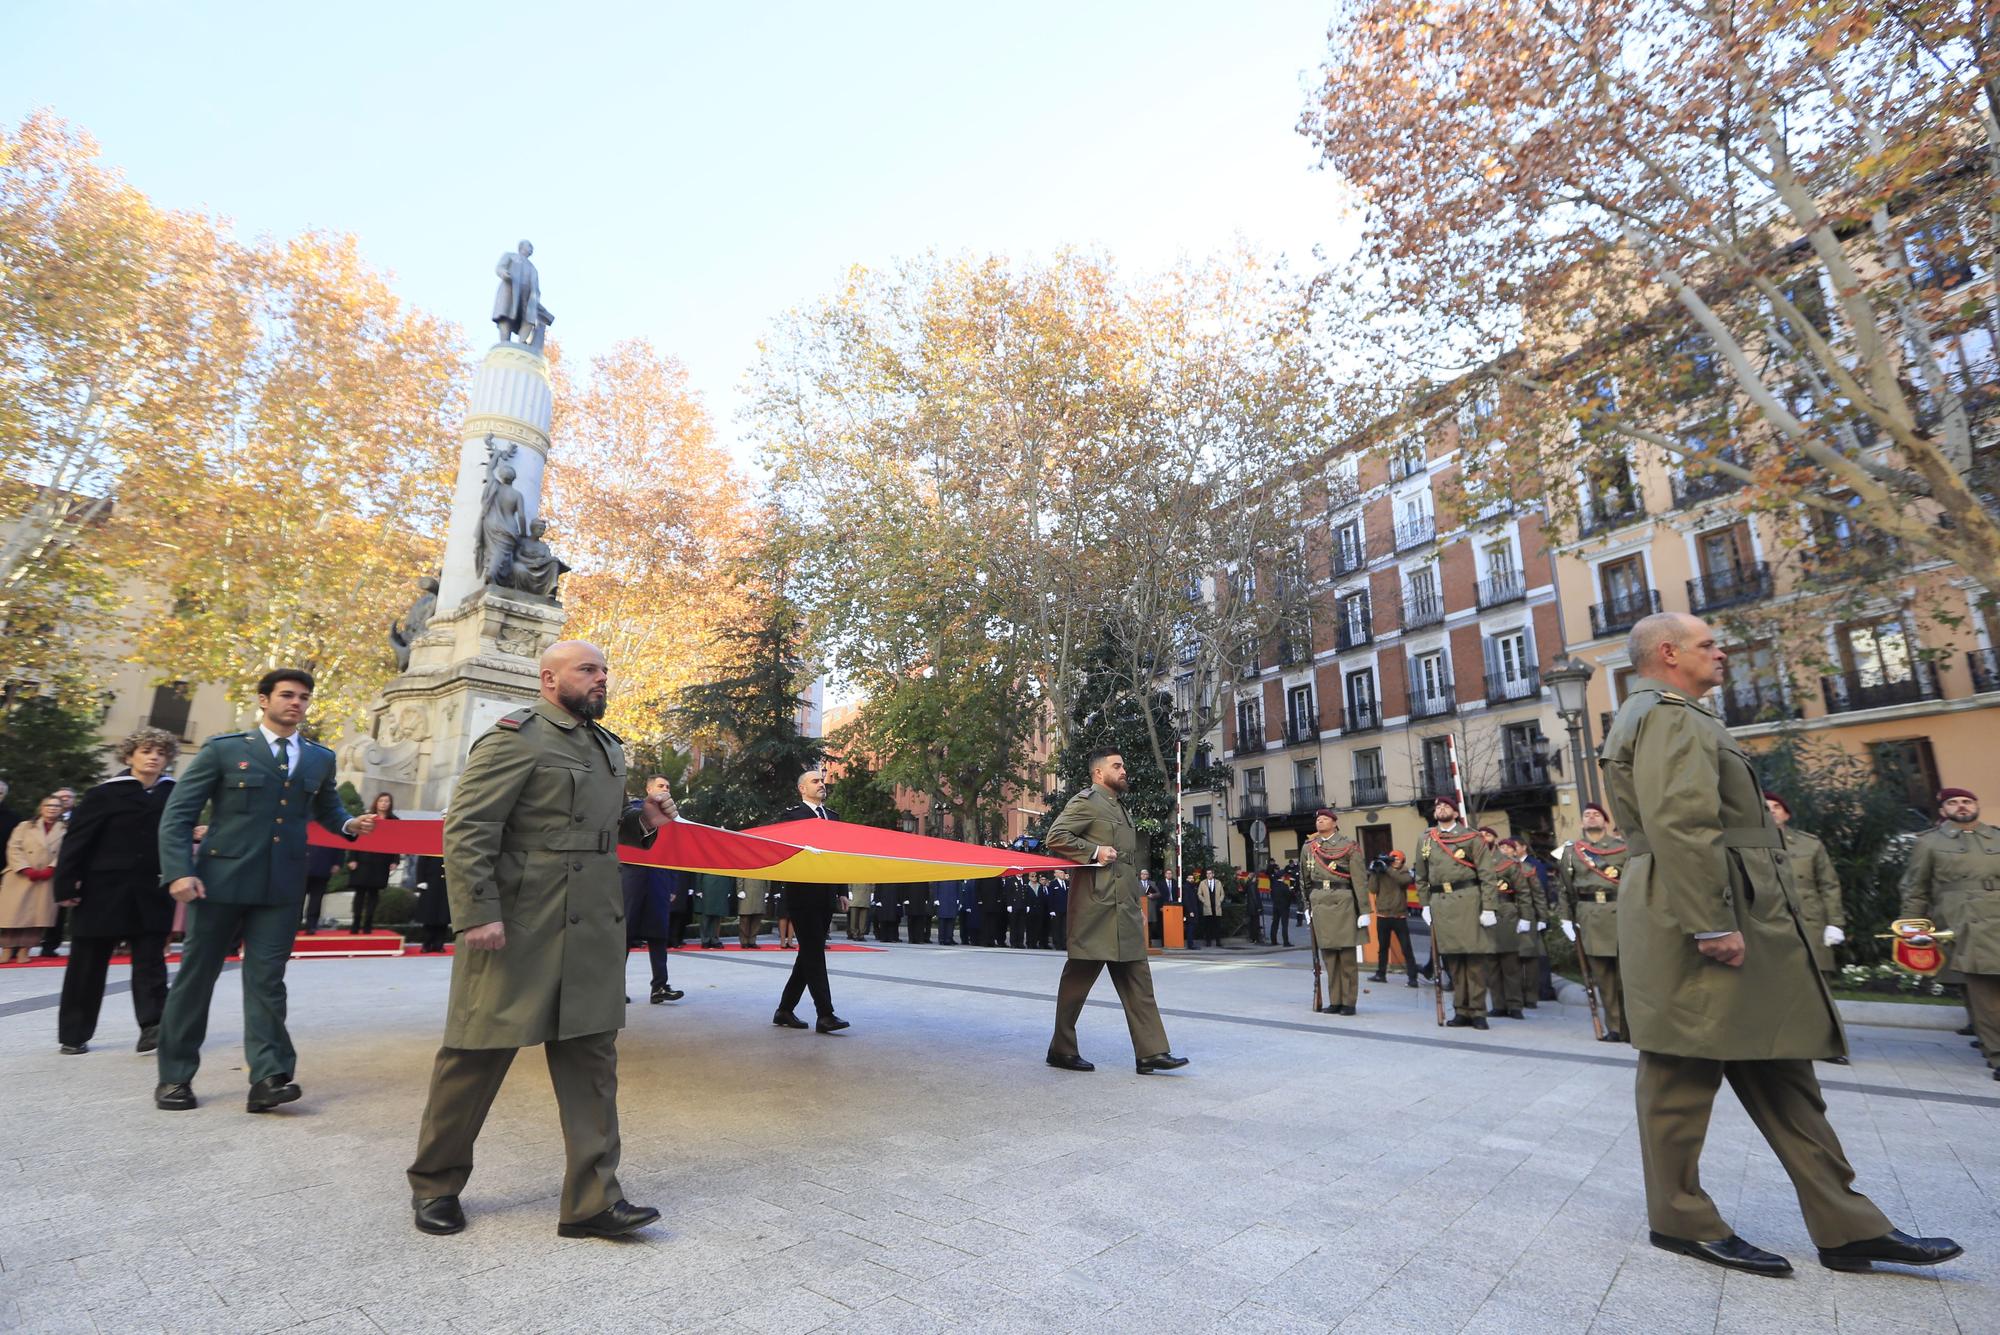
x=1489 y=919
x=1427 y=916
x=1541 y=927
x=1522 y=927
x=1833 y=936
x=1569 y=930
x=1362 y=921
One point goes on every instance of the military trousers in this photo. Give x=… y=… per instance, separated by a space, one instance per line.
x=857 y=922
x=1468 y=983
x=1503 y=981
x=464 y=1081
x=1610 y=993
x=747 y=927
x=1134 y=981
x=1343 y=975
x=213 y=928
x=1675 y=1096
x=1982 y=999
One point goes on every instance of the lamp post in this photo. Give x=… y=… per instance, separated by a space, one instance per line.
x=1570 y=678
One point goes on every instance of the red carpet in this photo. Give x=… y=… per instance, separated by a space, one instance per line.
x=345 y=945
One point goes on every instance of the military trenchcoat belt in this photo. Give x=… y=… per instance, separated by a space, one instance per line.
x=1733 y=836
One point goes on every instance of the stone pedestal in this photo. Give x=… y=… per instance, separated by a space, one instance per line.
x=477 y=661
x=510 y=402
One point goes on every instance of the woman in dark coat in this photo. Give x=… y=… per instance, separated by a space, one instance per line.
x=368 y=873
x=108 y=874
x=433 y=905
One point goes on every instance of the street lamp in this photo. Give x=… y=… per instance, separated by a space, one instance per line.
x=1570 y=678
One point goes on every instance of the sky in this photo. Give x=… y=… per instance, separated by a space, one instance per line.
x=688 y=173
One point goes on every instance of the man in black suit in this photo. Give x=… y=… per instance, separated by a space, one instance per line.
x=811 y=910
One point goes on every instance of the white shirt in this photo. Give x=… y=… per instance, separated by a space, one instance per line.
x=291 y=749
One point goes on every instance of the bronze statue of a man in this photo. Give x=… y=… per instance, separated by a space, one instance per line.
x=517 y=305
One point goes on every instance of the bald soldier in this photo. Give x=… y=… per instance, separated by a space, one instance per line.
x=1718 y=973
x=1107 y=923
x=531 y=865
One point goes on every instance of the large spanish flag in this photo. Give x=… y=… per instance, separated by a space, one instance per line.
x=815 y=852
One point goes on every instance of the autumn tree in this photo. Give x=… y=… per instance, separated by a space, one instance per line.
x=1758 y=238
x=654 y=517
x=745 y=719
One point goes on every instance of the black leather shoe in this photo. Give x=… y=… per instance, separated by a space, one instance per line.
x=1895 y=1247
x=1966 y=1032
x=1378 y=978
x=270 y=1092
x=1732 y=1253
x=1411 y=983
x=828 y=1024
x=1612 y=1036
x=1516 y=1014
x=662 y=993
x=615 y=1222
x=174 y=1098
x=1069 y=1063
x=787 y=1020
x=149 y=1039
x=1347 y=1010
x=1160 y=1061
x=439 y=1214
x=1479 y=1022
x=74 y=1049
x=1458 y=1022
x=1836 y=1061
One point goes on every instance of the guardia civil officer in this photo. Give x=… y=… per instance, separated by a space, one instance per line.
x=1718 y=974
x=1107 y=922
x=531 y=860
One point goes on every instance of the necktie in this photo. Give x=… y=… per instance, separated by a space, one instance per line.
x=280 y=750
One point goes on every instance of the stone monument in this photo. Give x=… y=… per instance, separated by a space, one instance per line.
x=469 y=645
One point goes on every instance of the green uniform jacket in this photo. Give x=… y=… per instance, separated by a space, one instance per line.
x=1453 y=871
x=1391 y=892
x=714 y=894
x=1106 y=919
x=1589 y=879
x=1818 y=889
x=1336 y=898
x=255 y=848
x=1954 y=880
x=1514 y=885
x=1706 y=857
x=531 y=841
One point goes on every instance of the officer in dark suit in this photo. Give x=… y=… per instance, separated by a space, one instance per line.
x=247 y=882
x=948 y=894
x=922 y=901
x=811 y=909
x=1017 y=911
x=993 y=911
x=1058 y=913
x=1038 y=911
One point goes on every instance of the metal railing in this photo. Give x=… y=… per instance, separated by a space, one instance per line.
x=1745 y=703
x=1421 y=609
x=1694 y=488
x=1256 y=802
x=1729 y=588
x=1845 y=692
x=1423 y=705
x=1369 y=792
x=1363 y=717
x=1522 y=772
x=1309 y=797
x=1502 y=587
x=1501 y=688
x=1985 y=665
x=1415 y=532
x=1302 y=729
x=1354 y=632
x=1348 y=560
x=1608 y=512
x=1621 y=614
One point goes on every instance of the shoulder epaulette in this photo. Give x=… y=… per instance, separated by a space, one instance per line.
x=1674 y=696
x=512 y=722
x=225 y=736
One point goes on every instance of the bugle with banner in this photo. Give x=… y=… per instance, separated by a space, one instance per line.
x=1916 y=948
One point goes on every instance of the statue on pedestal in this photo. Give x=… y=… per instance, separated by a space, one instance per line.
x=502 y=517
x=403 y=633
x=536 y=568
x=517 y=306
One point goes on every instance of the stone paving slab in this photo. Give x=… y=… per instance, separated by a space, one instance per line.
x=924 y=1171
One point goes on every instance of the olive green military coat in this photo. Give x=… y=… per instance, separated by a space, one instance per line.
x=1954 y=879
x=1589 y=878
x=1454 y=878
x=1390 y=890
x=1818 y=888
x=752 y=896
x=1106 y=919
x=1706 y=857
x=1513 y=886
x=531 y=840
x=1335 y=900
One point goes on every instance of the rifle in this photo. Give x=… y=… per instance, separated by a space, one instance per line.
x=1589 y=984
x=1318 y=995
x=1437 y=974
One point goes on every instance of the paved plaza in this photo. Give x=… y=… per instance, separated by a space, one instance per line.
x=924 y=1171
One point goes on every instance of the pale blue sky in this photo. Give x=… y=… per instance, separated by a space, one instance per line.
x=687 y=172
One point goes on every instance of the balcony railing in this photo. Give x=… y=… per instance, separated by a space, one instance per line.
x=1437 y=783
x=1308 y=798
x=1295 y=646
x=1370 y=792
x=1728 y=588
x=1522 y=772
x=1355 y=631
x=1415 y=531
x=1745 y=703
x=1301 y=729
x=1846 y=692
x=1256 y=802
x=1694 y=488
x=1362 y=716
x=1501 y=688
x=1608 y=512
x=1421 y=609
x=1502 y=586
x=1621 y=614
x=1985 y=665
x=1424 y=705
x=1347 y=560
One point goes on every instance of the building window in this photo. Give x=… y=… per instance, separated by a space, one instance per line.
x=170 y=708
x=1348 y=551
x=1204 y=824
x=1500 y=560
x=1362 y=711
x=1877 y=653
x=1368 y=768
x=1249 y=724
x=1301 y=720
x=1910 y=766
x=1406 y=458
x=1437 y=769
x=1431 y=678
x=1522 y=748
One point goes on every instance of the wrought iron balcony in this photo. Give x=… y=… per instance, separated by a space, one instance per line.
x=1347 y=560
x=1501 y=688
x=1694 y=488
x=1256 y=802
x=1354 y=632
x=1421 y=609
x=1502 y=587
x=1433 y=706
x=1370 y=792
x=1415 y=532
x=1621 y=614
x=1745 y=703
x=1985 y=665
x=1846 y=692
x=1609 y=512
x=1362 y=717
x=1304 y=729
x=1518 y=772
x=1308 y=798
x=1437 y=783
x=1729 y=588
